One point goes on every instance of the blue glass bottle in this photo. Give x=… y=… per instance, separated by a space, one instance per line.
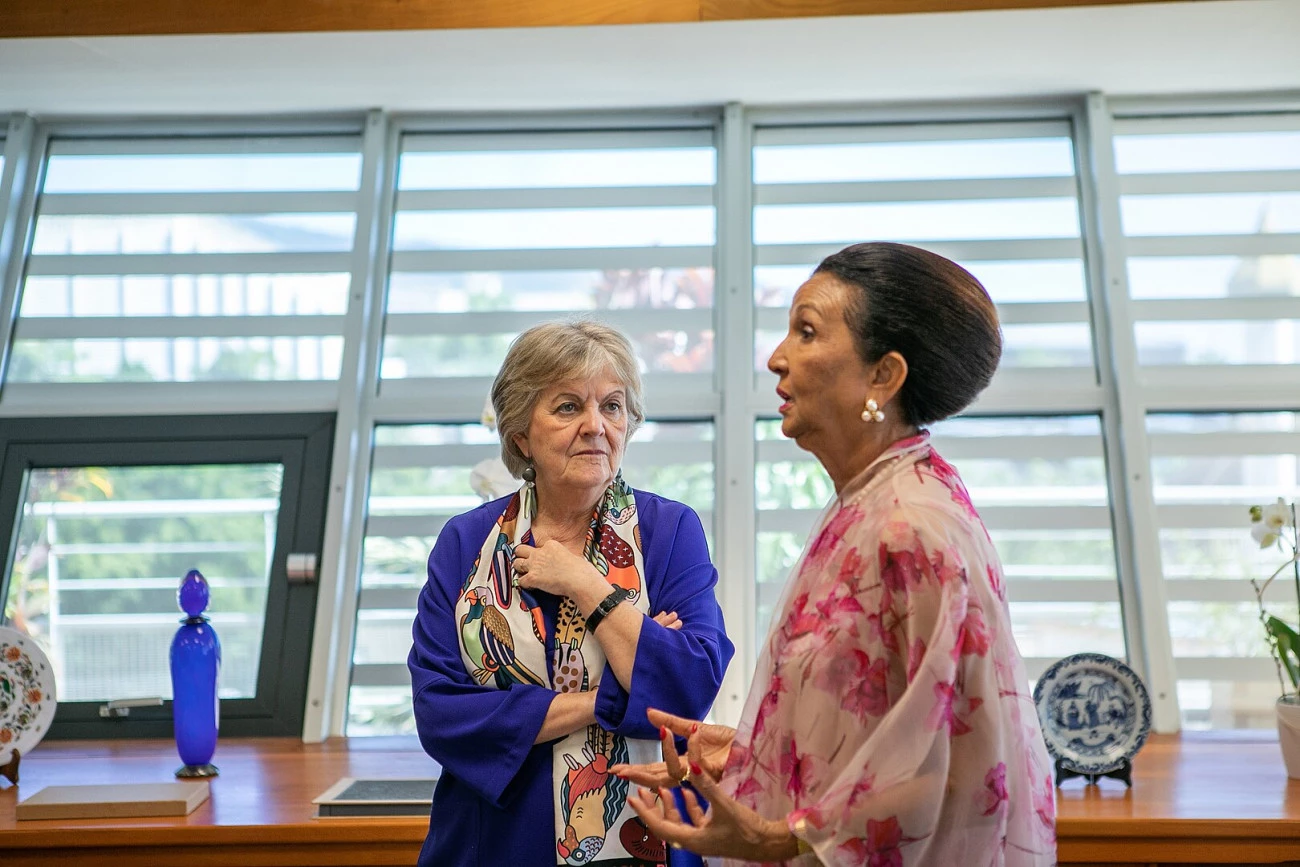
x=195 y=663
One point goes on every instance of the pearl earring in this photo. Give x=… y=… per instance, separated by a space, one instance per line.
x=872 y=412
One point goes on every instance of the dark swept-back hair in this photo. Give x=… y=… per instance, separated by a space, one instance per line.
x=928 y=309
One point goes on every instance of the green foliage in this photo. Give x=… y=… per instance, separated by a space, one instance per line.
x=1286 y=645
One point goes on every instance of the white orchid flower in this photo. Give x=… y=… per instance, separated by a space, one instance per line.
x=490 y=479
x=1276 y=515
x=489 y=416
x=1261 y=533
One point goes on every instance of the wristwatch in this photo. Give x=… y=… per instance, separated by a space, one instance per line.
x=608 y=604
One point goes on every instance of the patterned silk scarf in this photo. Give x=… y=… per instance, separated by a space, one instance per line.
x=503 y=642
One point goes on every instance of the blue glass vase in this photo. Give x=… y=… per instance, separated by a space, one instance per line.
x=195 y=663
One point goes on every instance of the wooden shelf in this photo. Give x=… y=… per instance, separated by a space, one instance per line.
x=52 y=18
x=1198 y=798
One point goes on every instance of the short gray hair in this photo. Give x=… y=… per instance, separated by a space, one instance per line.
x=553 y=352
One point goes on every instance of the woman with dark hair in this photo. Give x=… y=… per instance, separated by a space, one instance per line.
x=889 y=722
x=535 y=650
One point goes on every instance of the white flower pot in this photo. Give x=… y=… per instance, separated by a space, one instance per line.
x=1288 y=732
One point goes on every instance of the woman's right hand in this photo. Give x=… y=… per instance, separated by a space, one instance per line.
x=707 y=747
x=668 y=620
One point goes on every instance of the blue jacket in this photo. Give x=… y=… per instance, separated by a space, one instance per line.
x=493 y=805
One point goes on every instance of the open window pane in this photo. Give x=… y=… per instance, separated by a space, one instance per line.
x=102 y=550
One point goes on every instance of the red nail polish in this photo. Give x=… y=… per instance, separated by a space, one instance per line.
x=663 y=732
x=695 y=770
x=695 y=727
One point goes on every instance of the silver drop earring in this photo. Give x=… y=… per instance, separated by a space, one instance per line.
x=872 y=412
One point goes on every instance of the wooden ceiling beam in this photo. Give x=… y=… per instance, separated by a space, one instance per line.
x=63 y=18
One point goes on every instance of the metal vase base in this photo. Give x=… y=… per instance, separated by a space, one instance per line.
x=190 y=772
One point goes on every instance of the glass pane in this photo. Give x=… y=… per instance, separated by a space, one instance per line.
x=577 y=267
x=1060 y=344
x=777 y=553
x=1207 y=470
x=457 y=352
x=1207 y=152
x=1227 y=704
x=1211 y=214
x=553 y=229
x=187 y=295
x=421 y=487
x=1006 y=282
x=1222 y=629
x=180 y=359
x=380 y=710
x=1064 y=344
x=193 y=233
x=101 y=551
x=1057 y=555
x=891 y=161
x=916 y=221
x=1213 y=276
x=246 y=224
x=202 y=173
x=1055 y=630
x=666 y=351
x=384 y=634
x=543 y=291
x=1224 y=342
x=1210 y=422
x=1052 y=465
x=628 y=167
x=395 y=562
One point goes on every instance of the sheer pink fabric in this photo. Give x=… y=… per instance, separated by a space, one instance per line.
x=890 y=722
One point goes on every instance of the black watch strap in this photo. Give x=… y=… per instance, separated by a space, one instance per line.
x=608 y=604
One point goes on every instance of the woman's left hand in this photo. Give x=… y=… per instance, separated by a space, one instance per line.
x=727 y=828
x=553 y=568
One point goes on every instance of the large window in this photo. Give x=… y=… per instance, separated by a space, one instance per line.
x=1211 y=213
x=1208 y=469
x=112 y=514
x=1002 y=200
x=1211 y=217
x=165 y=260
x=494 y=233
x=374 y=270
x=420 y=479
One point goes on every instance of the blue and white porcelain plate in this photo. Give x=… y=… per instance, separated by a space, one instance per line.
x=1095 y=712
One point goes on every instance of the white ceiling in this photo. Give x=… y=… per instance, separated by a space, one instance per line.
x=1162 y=48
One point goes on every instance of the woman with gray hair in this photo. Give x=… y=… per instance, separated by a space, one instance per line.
x=554 y=617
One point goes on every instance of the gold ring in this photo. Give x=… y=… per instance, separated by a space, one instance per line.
x=675 y=845
x=685 y=775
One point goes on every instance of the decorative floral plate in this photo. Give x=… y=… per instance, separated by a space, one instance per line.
x=1095 y=712
x=26 y=693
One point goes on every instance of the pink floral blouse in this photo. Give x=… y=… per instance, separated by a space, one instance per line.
x=890 y=722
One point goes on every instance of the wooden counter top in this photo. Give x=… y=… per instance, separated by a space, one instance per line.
x=1197 y=798
x=260 y=811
